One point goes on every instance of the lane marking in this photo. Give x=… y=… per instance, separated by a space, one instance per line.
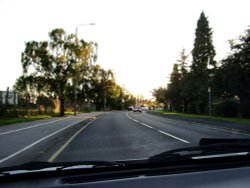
x=12 y=131
x=235 y=131
x=128 y=116
x=174 y=137
x=35 y=143
x=185 y=141
x=147 y=125
x=60 y=150
x=135 y=120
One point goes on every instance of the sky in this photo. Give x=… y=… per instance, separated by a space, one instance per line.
x=139 y=40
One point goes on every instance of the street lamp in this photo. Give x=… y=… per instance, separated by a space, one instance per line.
x=209 y=100
x=75 y=95
x=210 y=74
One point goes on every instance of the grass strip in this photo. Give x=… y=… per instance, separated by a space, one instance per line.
x=22 y=119
x=215 y=118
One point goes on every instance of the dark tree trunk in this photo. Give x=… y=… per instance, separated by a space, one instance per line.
x=61 y=106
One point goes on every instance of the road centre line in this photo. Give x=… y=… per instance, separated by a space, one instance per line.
x=36 y=142
x=173 y=136
x=60 y=150
x=12 y=131
x=135 y=120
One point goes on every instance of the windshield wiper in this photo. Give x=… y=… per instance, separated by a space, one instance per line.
x=210 y=148
x=60 y=166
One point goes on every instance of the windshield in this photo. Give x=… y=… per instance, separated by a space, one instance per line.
x=111 y=80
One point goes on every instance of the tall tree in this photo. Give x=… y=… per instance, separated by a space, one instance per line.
x=184 y=91
x=233 y=78
x=56 y=63
x=174 y=89
x=203 y=56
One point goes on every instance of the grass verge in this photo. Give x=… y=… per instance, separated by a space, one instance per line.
x=215 y=118
x=31 y=118
x=22 y=119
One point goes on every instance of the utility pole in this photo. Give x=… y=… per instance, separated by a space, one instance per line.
x=74 y=79
x=209 y=101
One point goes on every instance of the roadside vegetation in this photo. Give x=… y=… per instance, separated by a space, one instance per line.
x=214 y=118
x=201 y=85
x=60 y=75
x=8 y=121
x=21 y=119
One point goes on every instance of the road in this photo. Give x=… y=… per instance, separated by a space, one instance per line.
x=117 y=135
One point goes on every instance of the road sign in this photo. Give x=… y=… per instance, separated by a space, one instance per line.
x=12 y=97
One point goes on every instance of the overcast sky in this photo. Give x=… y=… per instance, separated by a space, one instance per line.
x=139 y=40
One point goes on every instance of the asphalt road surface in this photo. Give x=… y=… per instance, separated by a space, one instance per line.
x=118 y=135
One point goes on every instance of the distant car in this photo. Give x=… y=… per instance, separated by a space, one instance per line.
x=137 y=109
x=130 y=108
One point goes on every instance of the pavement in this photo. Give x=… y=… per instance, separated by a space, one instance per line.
x=116 y=135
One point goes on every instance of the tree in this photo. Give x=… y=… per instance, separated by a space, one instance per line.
x=174 y=89
x=56 y=63
x=160 y=95
x=233 y=78
x=203 y=56
x=184 y=74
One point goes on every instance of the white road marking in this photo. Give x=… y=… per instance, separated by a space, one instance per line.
x=12 y=131
x=128 y=116
x=185 y=141
x=135 y=120
x=35 y=143
x=58 y=152
x=147 y=125
x=203 y=125
x=174 y=137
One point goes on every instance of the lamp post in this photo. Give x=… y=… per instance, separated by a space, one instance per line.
x=210 y=75
x=209 y=101
x=75 y=95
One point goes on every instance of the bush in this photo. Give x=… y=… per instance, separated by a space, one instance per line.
x=245 y=109
x=228 y=108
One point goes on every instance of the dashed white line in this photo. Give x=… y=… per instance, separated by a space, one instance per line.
x=147 y=125
x=12 y=131
x=135 y=121
x=174 y=137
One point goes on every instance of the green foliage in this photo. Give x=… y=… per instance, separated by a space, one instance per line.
x=228 y=108
x=51 y=66
x=174 y=89
x=230 y=82
x=62 y=68
x=160 y=95
x=203 y=56
x=214 y=118
x=233 y=77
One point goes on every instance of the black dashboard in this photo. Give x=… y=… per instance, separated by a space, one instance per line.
x=230 y=178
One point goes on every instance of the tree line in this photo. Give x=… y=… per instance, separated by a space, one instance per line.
x=226 y=82
x=64 y=68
